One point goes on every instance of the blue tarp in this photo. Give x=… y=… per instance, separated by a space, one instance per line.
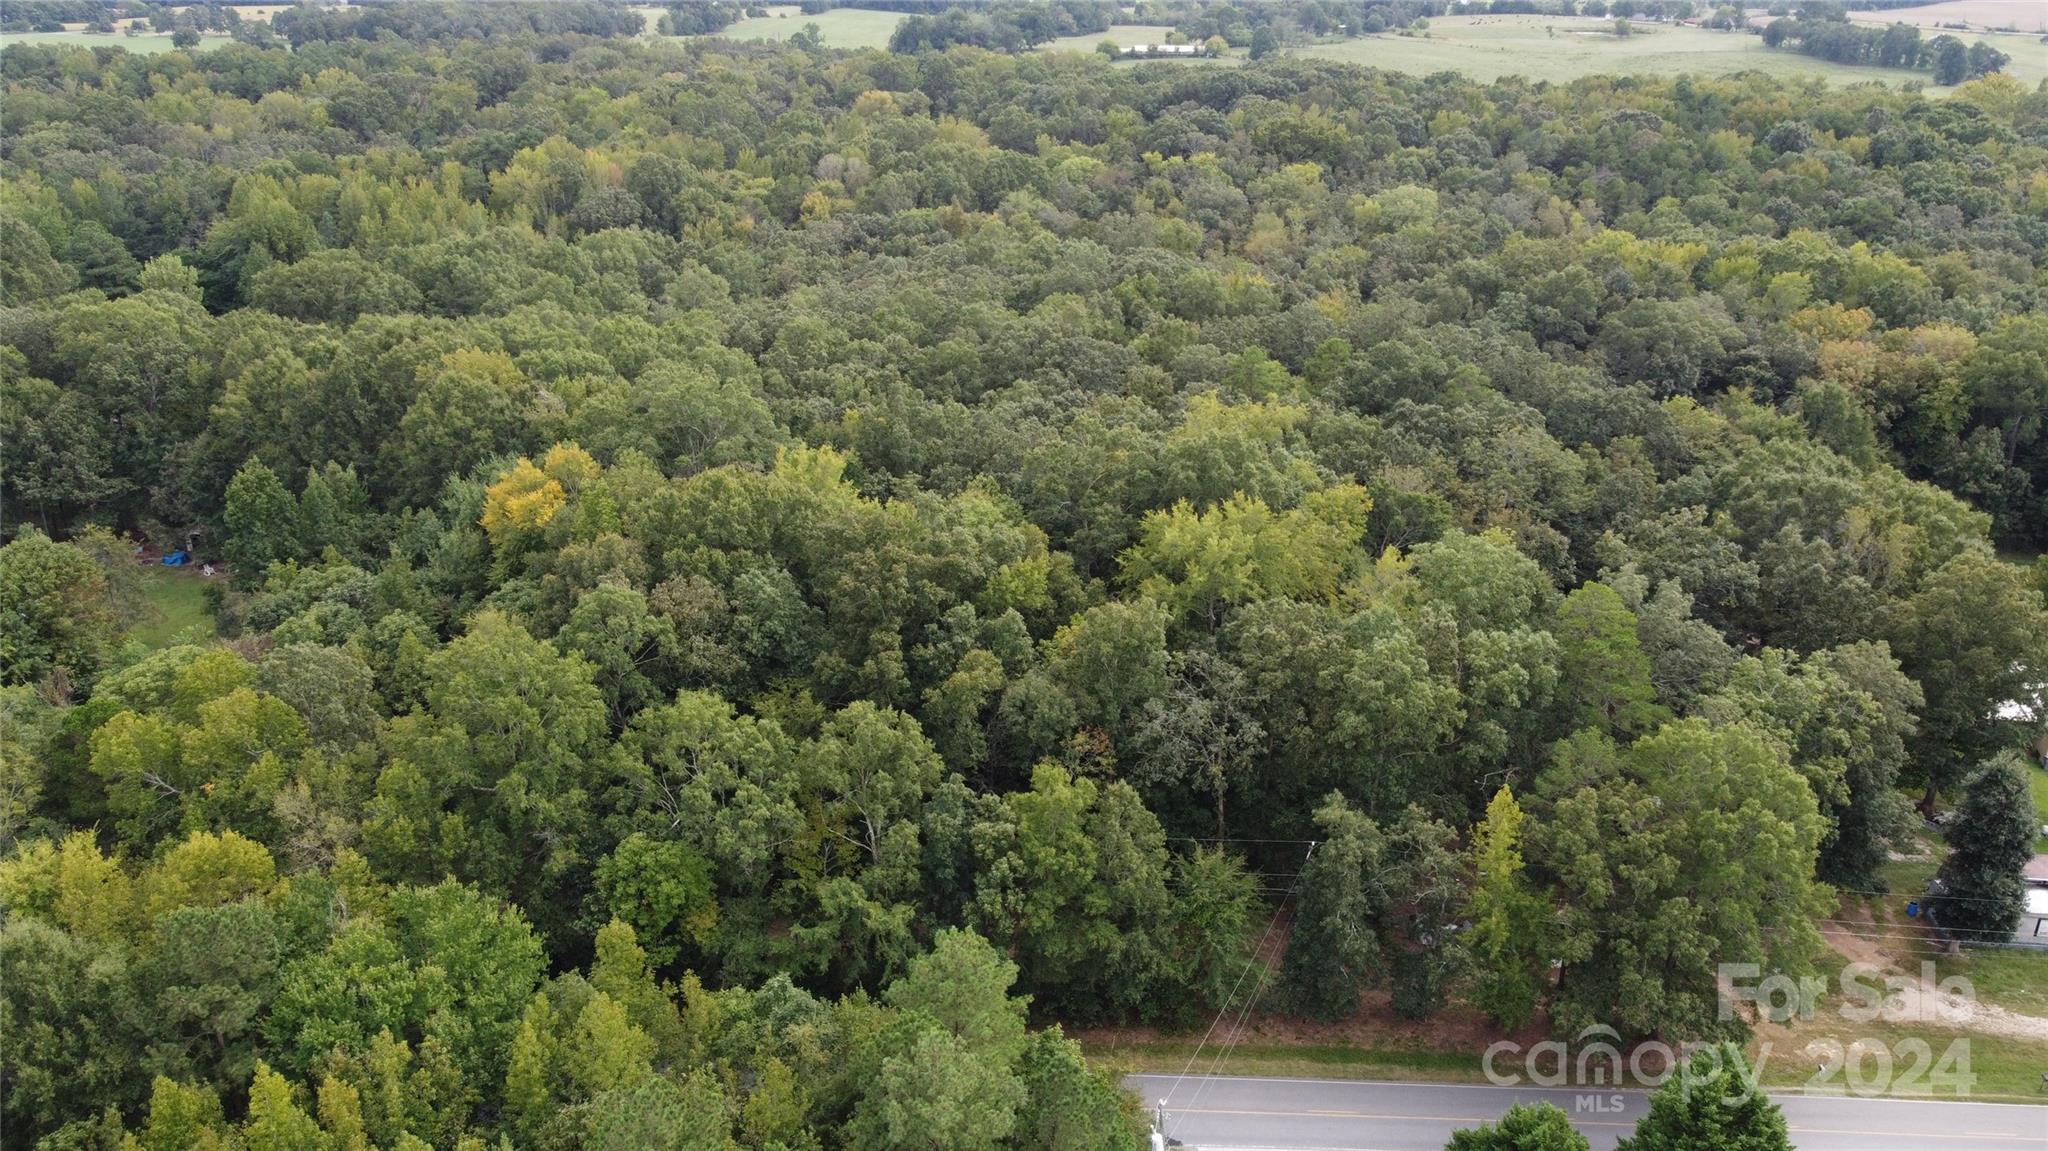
x=177 y=559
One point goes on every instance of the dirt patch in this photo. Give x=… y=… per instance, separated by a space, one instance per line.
x=1914 y=994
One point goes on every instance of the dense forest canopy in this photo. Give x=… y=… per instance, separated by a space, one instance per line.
x=750 y=574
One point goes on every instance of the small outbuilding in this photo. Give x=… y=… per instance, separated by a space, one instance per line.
x=2033 y=928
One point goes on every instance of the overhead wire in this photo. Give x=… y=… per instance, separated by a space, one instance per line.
x=1255 y=960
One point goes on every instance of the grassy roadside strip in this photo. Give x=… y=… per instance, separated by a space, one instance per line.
x=2006 y=1071
x=1308 y=1061
x=2003 y=1070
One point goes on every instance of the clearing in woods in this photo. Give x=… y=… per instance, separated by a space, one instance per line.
x=1562 y=49
x=841 y=27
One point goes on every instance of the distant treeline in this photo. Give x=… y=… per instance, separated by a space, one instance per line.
x=415 y=20
x=1896 y=46
x=1004 y=26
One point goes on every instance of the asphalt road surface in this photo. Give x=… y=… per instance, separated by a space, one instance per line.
x=1221 y=1113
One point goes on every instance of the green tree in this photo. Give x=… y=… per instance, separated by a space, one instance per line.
x=1213 y=931
x=661 y=1115
x=1693 y=847
x=1710 y=1102
x=275 y=1121
x=1111 y=660
x=1428 y=873
x=1971 y=637
x=1074 y=882
x=963 y=985
x=168 y=273
x=1601 y=664
x=331 y=688
x=721 y=782
x=210 y=974
x=482 y=956
x=1525 y=1127
x=1509 y=920
x=663 y=889
x=1845 y=714
x=513 y=733
x=938 y=1094
x=28 y=272
x=1951 y=60
x=1334 y=954
x=1068 y=1105
x=180 y=1116
x=62 y=1036
x=54 y=616
x=1979 y=893
x=1202 y=732
x=628 y=648
x=262 y=522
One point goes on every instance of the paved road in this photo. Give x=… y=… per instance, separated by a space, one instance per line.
x=1228 y=1114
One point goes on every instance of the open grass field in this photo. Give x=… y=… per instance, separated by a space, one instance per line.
x=1125 y=35
x=147 y=44
x=179 y=598
x=841 y=27
x=1559 y=49
x=2025 y=15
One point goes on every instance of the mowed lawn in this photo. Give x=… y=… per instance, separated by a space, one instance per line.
x=841 y=27
x=1561 y=49
x=179 y=598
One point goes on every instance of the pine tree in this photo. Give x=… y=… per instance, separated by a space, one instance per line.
x=1602 y=668
x=1507 y=917
x=1981 y=892
x=1334 y=953
x=1712 y=1103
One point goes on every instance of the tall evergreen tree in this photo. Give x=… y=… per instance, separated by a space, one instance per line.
x=1334 y=953
x=1506 y=941
x=1712 y=1104
x=1981 y=894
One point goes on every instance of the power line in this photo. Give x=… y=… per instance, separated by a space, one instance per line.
x=1256 y=959
x=1918 y=898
